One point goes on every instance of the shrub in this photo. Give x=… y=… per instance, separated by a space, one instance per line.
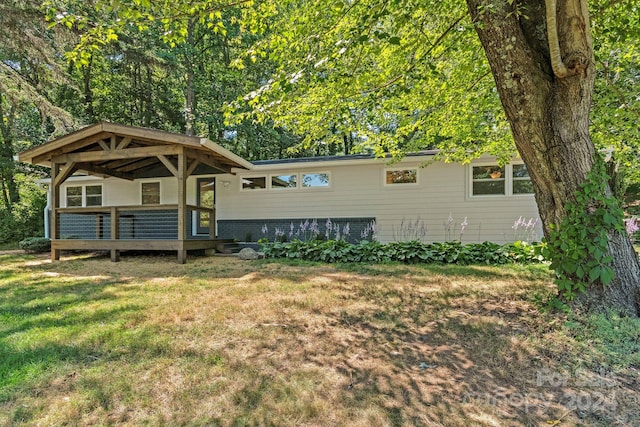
x=35 y=244
x=411 y=252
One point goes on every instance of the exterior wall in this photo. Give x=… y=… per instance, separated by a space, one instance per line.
x=120 y=192
x=357 y=190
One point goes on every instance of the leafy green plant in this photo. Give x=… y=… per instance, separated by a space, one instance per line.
x=577 y=247
x=35 y=244
x=411 y=252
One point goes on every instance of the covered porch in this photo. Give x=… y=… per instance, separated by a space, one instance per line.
x=132 y=154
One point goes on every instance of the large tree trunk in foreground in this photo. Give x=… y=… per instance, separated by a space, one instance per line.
x=548 y=110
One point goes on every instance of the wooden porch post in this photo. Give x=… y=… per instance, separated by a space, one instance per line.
x=55 y=204
x=182 y=206
x=115 y=231
x=212 y=224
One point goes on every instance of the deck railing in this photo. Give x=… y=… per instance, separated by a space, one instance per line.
x=158 y=222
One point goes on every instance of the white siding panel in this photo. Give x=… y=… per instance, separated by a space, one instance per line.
x=359 y=191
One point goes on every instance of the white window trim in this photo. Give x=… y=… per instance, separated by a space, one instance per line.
x=266 y=182
x=159 y=191
x=508 y=182
x=400 y=184
x=83 y=194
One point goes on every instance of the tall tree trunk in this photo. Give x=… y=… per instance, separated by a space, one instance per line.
x=88 y=91
x=148 y=97
x=549 y=116
x=190 y=107
x=10 y=192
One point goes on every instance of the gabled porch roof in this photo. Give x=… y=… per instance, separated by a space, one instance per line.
x=108 y=149
x=127 y=152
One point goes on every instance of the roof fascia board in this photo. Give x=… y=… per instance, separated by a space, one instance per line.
x=27 y=155
x=226 y=153
x=333 y=163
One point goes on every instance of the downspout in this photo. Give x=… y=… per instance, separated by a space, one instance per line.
x=47 y=232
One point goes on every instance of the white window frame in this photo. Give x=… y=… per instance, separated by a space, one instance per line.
x=267 y=181
x=508 y=181
x=519 y=179
x=86 y=196
x=142 y=183
x=83 y=195
x=401 y=184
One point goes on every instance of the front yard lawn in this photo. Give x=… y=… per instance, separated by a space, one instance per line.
x=225 y=342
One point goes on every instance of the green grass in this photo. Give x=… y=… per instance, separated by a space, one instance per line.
x=223 y=342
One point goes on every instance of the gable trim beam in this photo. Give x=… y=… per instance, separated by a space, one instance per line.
x=65 y=173
x=93 y=168
x=209 y=161
x=168 y=164
x=127 y=153
x=44 y=155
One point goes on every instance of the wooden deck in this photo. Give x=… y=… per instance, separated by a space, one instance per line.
x=148 y=228
x=117 y=245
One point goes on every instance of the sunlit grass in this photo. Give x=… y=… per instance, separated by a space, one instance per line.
x=223 y=342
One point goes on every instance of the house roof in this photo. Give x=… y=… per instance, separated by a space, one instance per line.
x=327 y=161
x=133 y=152
x=347 y=157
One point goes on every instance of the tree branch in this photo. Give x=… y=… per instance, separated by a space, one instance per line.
x=559 y=68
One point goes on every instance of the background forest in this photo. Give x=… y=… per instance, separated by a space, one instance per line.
x=217 y=64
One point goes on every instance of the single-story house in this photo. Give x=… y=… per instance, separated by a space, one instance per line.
x=116 y=187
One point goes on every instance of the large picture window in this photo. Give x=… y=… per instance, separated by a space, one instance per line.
x=494 y=180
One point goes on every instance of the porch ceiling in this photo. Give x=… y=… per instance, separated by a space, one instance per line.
x=127 y=152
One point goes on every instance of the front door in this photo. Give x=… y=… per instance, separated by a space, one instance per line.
x=206 y=199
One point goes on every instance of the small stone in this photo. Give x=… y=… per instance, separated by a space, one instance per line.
x=248 y=254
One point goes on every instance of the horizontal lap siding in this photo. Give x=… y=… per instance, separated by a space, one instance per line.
x=358 y=191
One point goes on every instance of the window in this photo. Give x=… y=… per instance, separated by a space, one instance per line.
x=74 y=196
x=284 y=181
x=254 y=183
x=494 y=180
x=150 y=193
x=401 y=176
x=488 y=180
x=521 y=180
x=84 y=195
x=314 y=180
x=93 y=195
